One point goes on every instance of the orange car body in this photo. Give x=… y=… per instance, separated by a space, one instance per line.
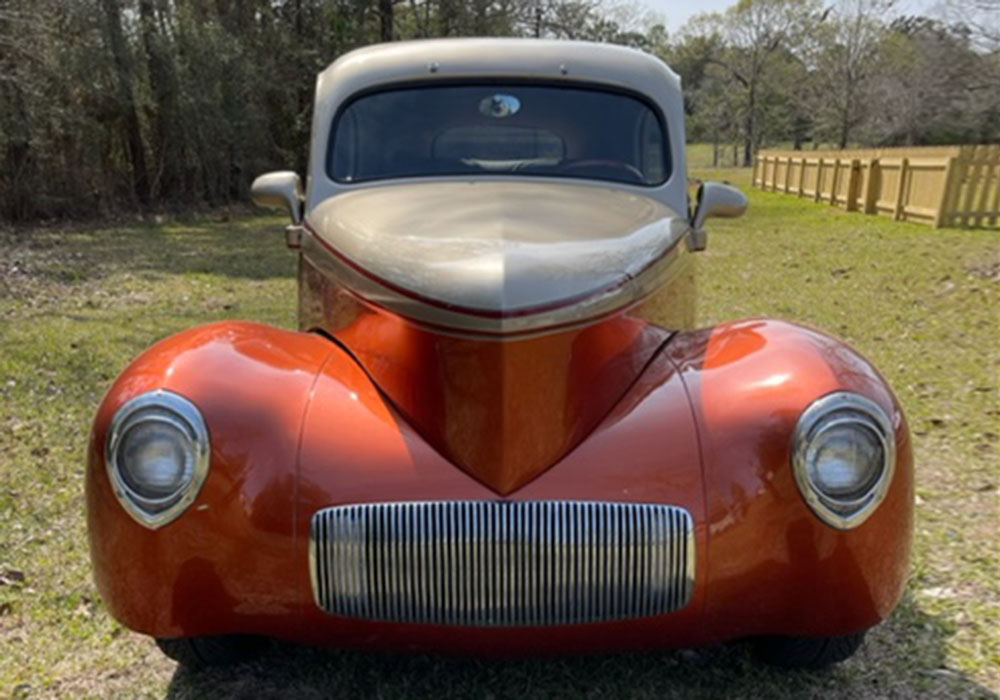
x=365 y=405
x=298 y=424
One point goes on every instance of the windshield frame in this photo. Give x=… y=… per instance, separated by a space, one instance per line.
x=651 y=105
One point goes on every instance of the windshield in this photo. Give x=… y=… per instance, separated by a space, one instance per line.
x=499 y=129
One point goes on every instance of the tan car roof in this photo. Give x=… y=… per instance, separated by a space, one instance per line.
x=609 y=63
x=549 y=60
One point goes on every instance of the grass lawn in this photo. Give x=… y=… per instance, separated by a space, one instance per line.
x=701 y=156
x=76 y=305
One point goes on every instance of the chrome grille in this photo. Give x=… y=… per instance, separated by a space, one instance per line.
x=502 y=563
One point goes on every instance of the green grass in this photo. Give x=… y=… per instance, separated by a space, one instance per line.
x=76 y=305
x=701 y=156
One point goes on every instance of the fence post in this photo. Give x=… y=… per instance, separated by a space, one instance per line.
x=833 y=181
x=802 y=174
x=871 y=194
x=951 y=177
x=900 y=209
x=774 y=175
x=852 y=186
x=788 y=173
x=995 y=208
x=819 y=180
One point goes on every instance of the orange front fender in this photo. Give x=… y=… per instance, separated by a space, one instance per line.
x=774 y=567
x=218 y=565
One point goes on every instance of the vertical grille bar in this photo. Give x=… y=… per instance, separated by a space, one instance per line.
x=495 y=563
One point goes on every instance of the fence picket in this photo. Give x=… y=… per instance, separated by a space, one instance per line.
x=971 y=182
x=984 y=191
x=819 y=180
x=900 y=208
x=872 y=186
x=852 y=185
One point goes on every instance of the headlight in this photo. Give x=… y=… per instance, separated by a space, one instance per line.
x=843 y=457
x=157 y=456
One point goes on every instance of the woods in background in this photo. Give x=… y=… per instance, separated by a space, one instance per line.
x=109 y=105
x=850 y=73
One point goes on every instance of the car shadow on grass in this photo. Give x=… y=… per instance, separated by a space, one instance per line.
x=904 y=658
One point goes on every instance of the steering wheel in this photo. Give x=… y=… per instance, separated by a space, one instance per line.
x=606 y=163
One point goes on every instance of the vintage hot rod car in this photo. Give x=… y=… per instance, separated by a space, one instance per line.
x=496 y=429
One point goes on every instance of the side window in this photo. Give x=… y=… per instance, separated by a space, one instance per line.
x=345 y=146
x=651 y=148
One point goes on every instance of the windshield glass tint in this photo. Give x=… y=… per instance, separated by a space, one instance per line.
x=497 y=129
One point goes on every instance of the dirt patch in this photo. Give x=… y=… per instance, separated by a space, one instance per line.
x=986 y=270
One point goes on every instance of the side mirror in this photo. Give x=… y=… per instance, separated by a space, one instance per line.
x=279 y=190
x=714 y=199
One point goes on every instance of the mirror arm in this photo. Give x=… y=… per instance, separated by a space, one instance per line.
x=697 y=238
x=297 y=206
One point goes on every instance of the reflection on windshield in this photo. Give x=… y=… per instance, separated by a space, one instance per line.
x=524 y=130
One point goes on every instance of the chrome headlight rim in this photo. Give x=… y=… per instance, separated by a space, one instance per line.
x=172 y=409
x=836 y=410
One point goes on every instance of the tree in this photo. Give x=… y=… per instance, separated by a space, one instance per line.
x=128 y=108
x=980 y=17
x=111 y=105
x=933 y=87
x=753 y=33
x=843 y=55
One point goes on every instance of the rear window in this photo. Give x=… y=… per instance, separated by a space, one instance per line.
x=499 y=129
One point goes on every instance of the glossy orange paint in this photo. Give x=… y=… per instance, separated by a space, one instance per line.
x=297 y=424
x=503 y=410
x=748 y=382
x=229 y=552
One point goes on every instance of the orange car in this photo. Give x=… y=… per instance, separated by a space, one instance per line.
x=496 y=429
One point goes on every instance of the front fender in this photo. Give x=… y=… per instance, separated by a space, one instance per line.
x=252 y=383
x=774 y=567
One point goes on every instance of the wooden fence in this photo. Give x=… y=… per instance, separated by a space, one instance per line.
x=936 y=185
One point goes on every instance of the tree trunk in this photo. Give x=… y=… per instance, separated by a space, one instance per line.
x=19 y=193
x=480 y=20
x=845 y=118
x=126 y=99
x=385 y=20
x=750 y=126
x=166 y=139
x=845 y=122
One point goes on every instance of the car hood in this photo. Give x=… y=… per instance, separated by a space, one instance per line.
x=496 y=249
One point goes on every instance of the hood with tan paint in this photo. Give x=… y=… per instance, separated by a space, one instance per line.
x=495 y=250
